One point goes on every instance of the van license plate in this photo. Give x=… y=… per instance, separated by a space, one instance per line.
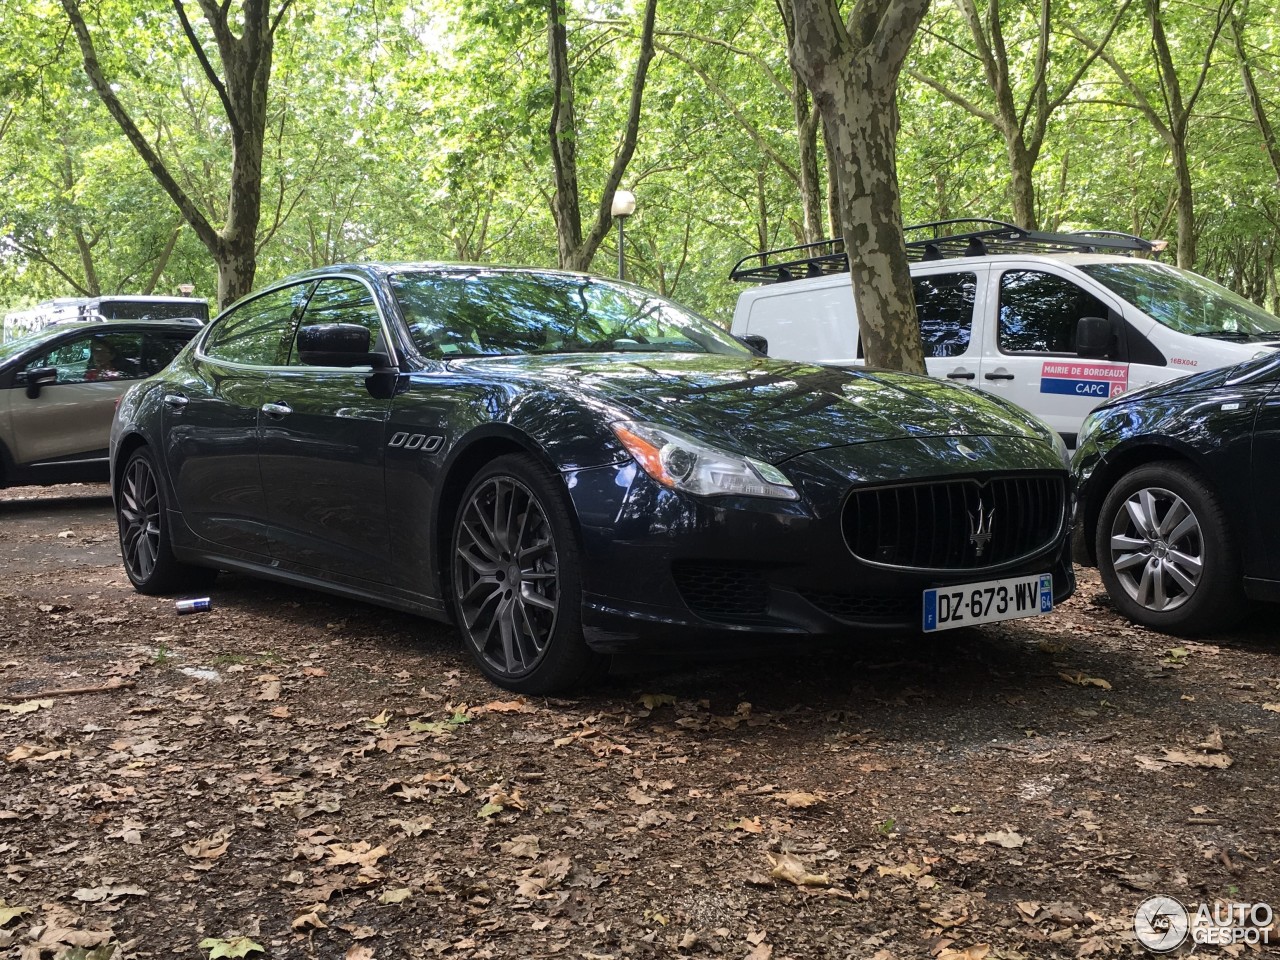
x=991 y=601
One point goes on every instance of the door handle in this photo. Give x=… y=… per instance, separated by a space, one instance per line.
x=960 y=375
x=175 y=401
x=999 y=376
x=277 y=409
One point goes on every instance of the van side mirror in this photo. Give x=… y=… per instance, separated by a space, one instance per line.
x=1095 y=338
x=37 y=378
x=756 y=343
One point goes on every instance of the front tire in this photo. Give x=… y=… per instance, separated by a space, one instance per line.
x=1166 y=553
x=144 y=534
x=517 y=579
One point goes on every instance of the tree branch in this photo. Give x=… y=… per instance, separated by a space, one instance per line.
x=210 y=74
x=208 y=236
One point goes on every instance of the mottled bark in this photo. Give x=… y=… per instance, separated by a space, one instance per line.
x=852 y=70
x=578 y=248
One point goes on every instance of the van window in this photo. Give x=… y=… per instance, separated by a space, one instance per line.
x=1039 y=312
x=944 y=305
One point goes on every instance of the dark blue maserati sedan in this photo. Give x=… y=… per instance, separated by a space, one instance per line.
x=566 y=466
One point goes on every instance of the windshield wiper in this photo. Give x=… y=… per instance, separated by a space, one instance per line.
x=1224 y=334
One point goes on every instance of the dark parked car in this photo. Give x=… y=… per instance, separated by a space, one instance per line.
x=567 y=466
x=58 y=391
x=1177 y=496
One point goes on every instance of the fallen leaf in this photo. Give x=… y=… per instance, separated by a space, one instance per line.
x=1008 y=839
x=8 y=914
x=748 y=826
x=357 y=952
x=1080 y=680
x=977 y=952
x=1273 y=707
x=270 y=690
x=311 y=919
x=508 y=706
x=800 y=801
x=654 y=700
x=525 y=845
x=791 y=868
x=380 y=720
x=209 y=848
x=395 y=896
x=233 y=948
x=27 y=706
x=1208 y=761
x=361 y=853
x=638 y=796
x=906 y=871
x=1212 y=742
x=108 y=892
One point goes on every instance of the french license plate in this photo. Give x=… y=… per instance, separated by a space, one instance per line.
x=991 y=601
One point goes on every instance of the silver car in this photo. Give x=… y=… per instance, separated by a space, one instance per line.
x=58 y=392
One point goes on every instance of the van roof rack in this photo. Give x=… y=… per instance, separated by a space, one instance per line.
x=942 y=239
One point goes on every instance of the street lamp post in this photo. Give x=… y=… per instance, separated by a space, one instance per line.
x=624 y=205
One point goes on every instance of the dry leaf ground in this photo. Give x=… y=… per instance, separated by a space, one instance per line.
x=322 y=778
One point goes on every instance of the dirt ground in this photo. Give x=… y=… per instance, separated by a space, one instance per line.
x=290 y=775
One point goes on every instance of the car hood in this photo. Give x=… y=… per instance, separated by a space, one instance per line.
x=765 y=408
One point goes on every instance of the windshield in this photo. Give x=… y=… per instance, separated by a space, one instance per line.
x=1186 y=302
x=196 y=310
x=481 y=312
x=11 y=348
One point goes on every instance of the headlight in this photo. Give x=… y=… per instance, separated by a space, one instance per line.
x=680 y=462
x=1088 y=426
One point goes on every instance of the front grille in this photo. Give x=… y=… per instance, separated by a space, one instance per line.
x=955 y=524
x=862 y=609
x=722 y=591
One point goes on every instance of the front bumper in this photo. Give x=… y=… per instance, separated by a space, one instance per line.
x=664 y=571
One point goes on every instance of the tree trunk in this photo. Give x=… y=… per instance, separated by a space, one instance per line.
x=1022 y=185
x=1185 y=205
x=162 y=261
x=576 y=248
x=242 y=91
x=810 y=185
x=853 y=74
x=835 y=228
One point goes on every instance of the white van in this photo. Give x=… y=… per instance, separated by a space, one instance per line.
x=1044 y=320
x=50 y=313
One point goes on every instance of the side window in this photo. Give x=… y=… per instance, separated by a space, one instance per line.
x=1039 y=312
x=159 y=349
x=259 y=332
x=341 y=301
x=99 y=356
x=944 y=305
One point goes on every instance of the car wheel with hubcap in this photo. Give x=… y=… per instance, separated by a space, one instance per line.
x=516 y=579
x=144 y=535
x=1165 y=551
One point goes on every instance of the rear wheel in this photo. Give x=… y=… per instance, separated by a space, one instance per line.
x=516 y=579
x=1165 y=551
x=144 y=535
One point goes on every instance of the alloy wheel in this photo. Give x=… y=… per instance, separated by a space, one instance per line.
x=506 y=575
x=1157 y=549
x=140 y=519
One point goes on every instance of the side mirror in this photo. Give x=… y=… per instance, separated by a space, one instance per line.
x=39 y=377
x=1095 y=337
x=757 y=343
x=338 y=345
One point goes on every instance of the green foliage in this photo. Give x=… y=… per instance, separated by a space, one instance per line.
x=419 y=131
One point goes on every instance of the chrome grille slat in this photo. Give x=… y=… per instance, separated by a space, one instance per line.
x=930 y=526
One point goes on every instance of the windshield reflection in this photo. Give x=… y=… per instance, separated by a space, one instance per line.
x=492 y=313
x=1186 y=302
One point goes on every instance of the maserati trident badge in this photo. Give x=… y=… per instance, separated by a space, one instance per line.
x=980 y=528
